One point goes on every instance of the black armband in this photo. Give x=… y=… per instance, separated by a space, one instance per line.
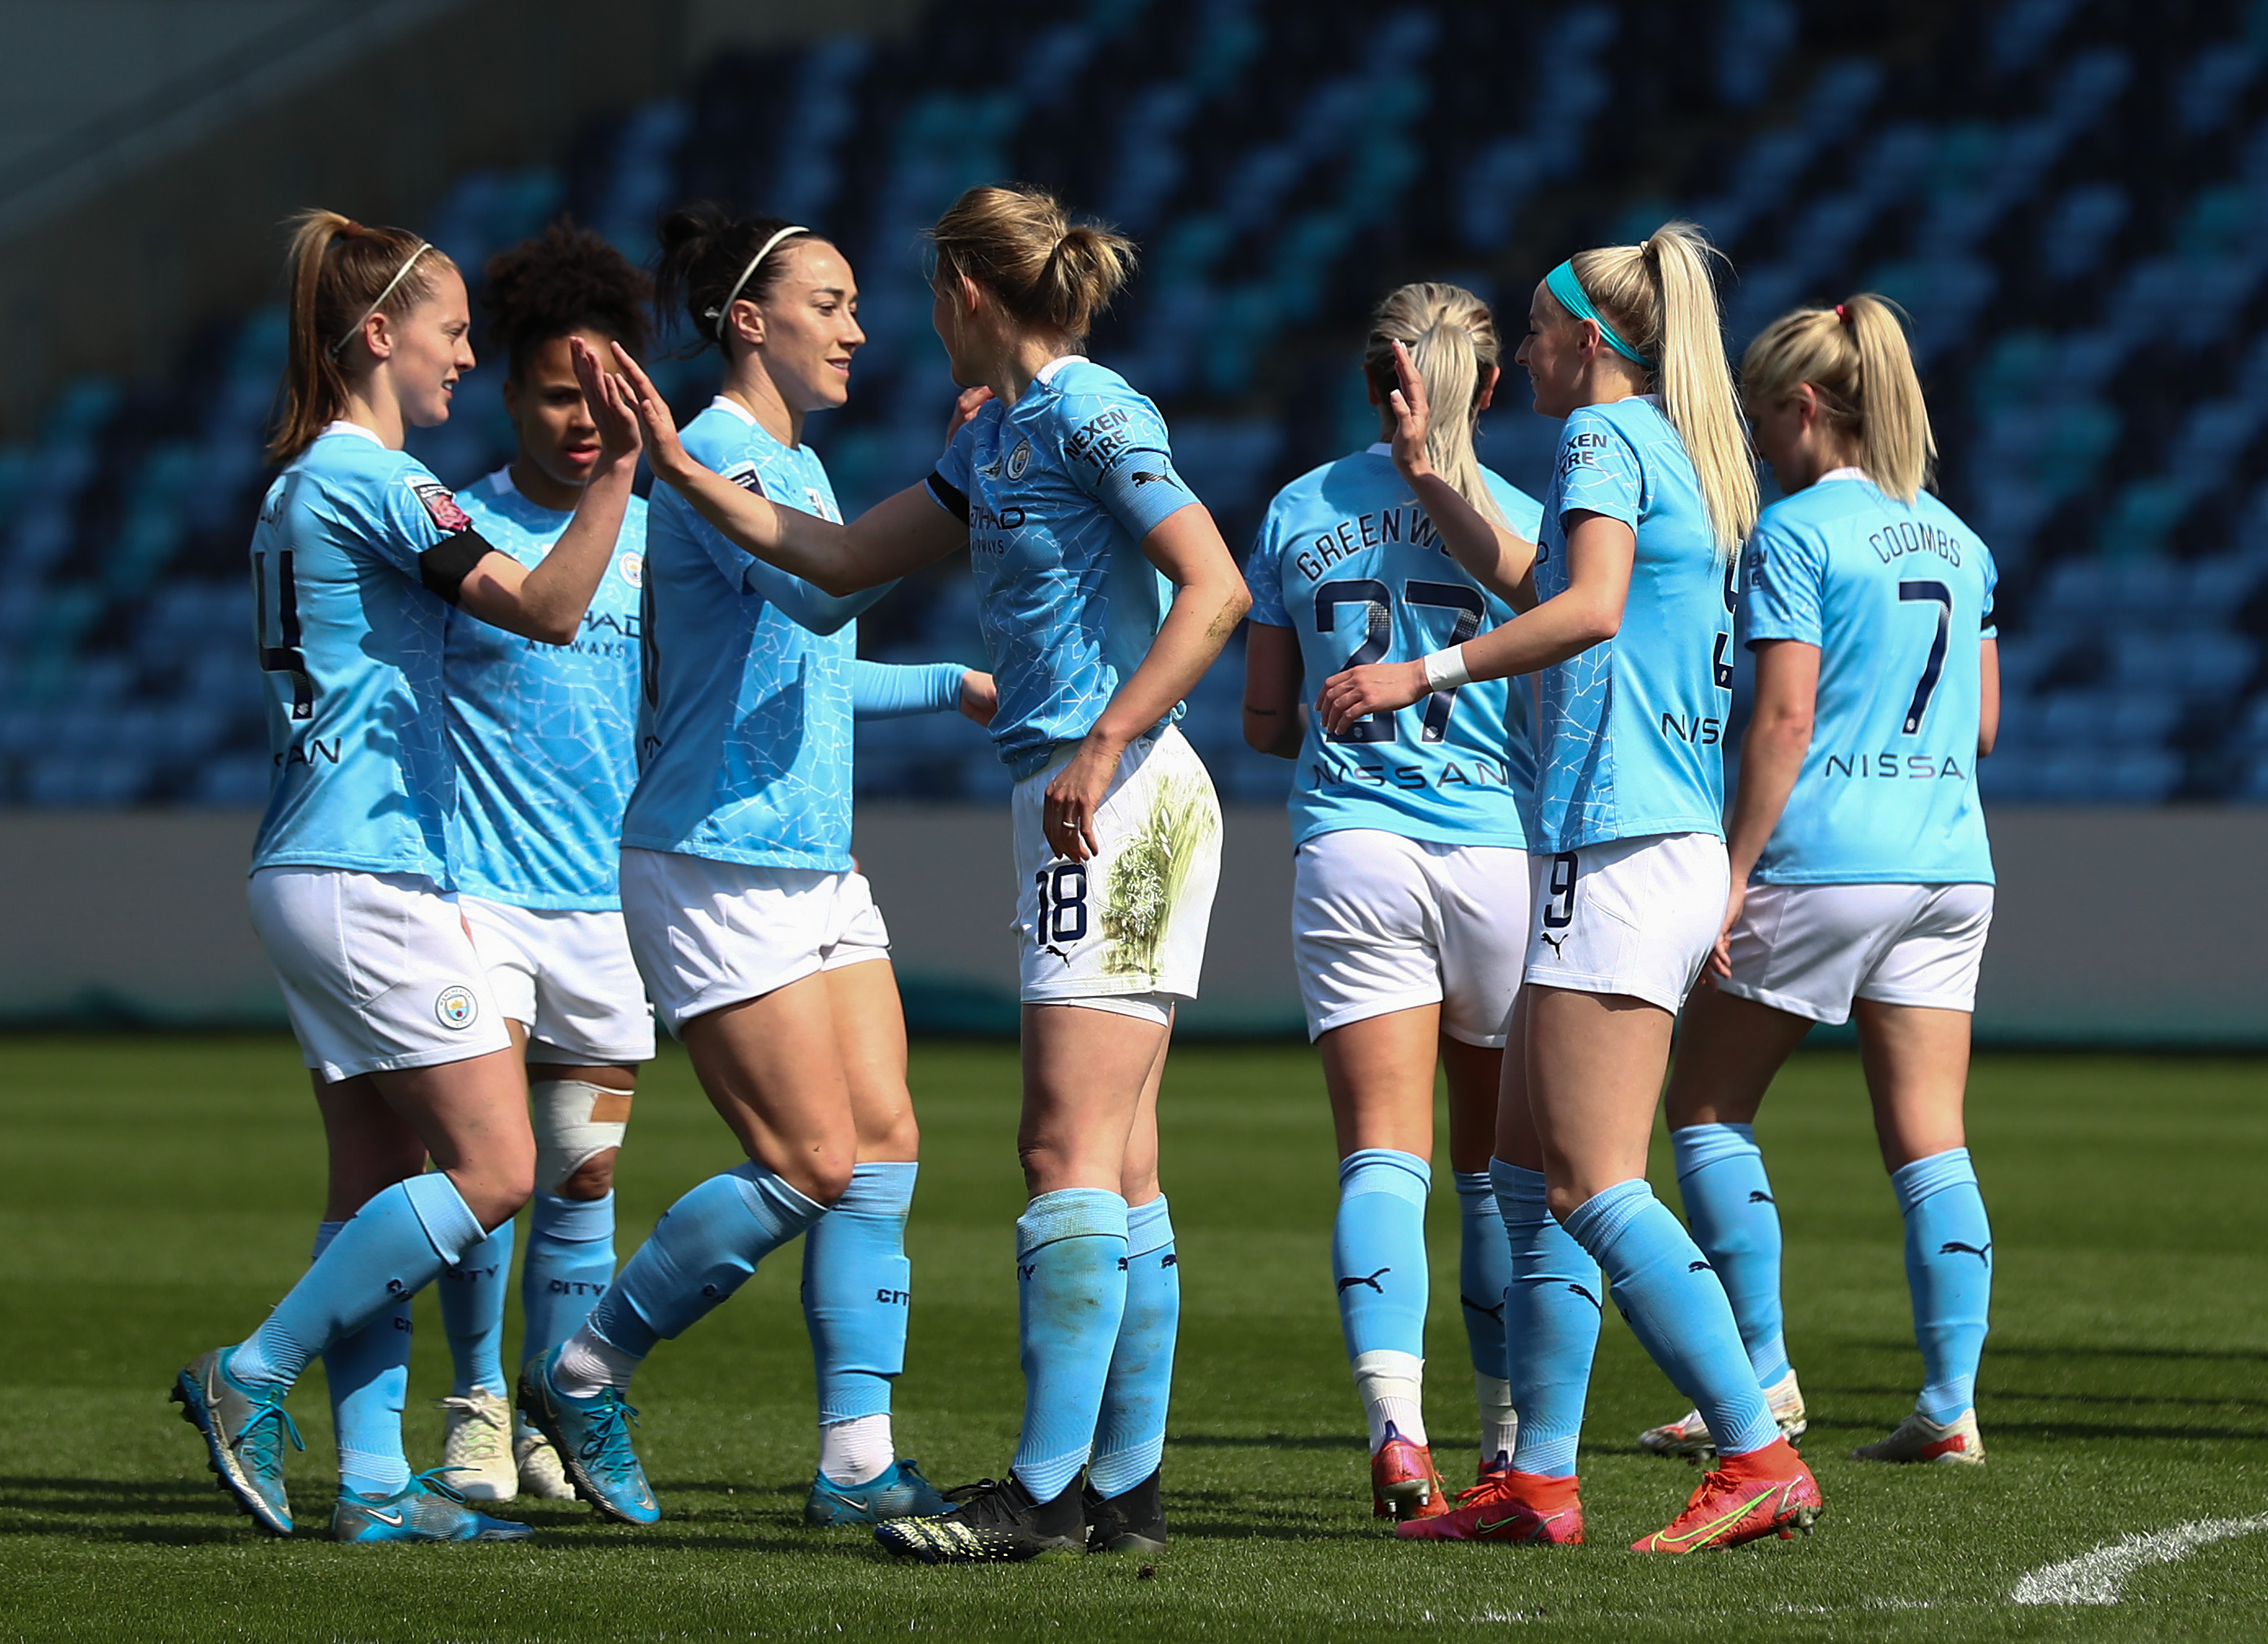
x=949 y=496
x=443 y=567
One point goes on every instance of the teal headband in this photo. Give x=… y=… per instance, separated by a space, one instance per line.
x=1562 y=284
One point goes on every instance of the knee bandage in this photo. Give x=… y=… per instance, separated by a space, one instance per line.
x=575 y=1122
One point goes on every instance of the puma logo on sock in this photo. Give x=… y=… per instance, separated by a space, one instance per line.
x=1345 y=1284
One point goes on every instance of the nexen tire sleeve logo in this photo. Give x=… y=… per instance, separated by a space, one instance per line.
x=456 y=1008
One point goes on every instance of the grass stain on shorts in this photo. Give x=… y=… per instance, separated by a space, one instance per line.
x=1148 y=874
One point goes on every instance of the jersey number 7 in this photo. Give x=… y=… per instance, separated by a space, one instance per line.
x=1378 y=602
x=284 y=657
x=1942 y=597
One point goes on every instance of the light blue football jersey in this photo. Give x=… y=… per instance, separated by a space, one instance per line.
x=544 y=736
x=744 y=732
x=349 y=640
x=1633 y=729
x=1348 y=560
x=1898 y=599
x=1058 y=491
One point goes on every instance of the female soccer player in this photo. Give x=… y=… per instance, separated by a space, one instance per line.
x=1630 y=637
x=759 y=941
x=357 y=557
x=1105 y=592
x=544 y=739
x=1862 y=880
x=1408 y=906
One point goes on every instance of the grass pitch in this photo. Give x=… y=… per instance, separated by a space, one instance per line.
x=161 y=1193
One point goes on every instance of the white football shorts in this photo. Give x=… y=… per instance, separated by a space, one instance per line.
x=1635 y=917
x=1125 y=931
x=1380 y=924
x=377 y=970
x=1811 y=949
x=566 y=975
x=707 y=934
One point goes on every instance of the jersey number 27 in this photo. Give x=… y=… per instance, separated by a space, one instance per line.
x=1377 y=600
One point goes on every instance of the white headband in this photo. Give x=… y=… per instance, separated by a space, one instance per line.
x=733 y=296
x=399 y=274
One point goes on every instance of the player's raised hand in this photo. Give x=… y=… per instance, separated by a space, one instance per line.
x=1413 y=419
x=1374 y=688
x=980 y=698
x=608 y=400
x=970 y=401
x=663 y=448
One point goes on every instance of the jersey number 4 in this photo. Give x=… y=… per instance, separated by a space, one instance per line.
x=1377 y=600
x=1941 y=596
x=285 y=656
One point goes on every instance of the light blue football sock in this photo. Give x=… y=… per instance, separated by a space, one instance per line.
x=472 y=1313
x=1483 y=1269
x=390 y=1251
x=705 y=1247
x=1729 y=1206
x=569 y=1263
x=856 y=1290
x=1378 y=1251
x=1129 y=1438
x=369 y=1377
x=1676 y=1308
x=1550 y=1323
x=1949 y=1271
x=1071 y=1269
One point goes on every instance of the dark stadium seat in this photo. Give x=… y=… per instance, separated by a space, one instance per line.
x=2074 y=210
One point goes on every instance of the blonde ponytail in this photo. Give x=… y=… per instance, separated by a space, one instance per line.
x=341 y=273
x=1660 y=297
x=1856 y=359
x=1451 y=337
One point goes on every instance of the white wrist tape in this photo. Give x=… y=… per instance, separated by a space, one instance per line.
x=1445 y=670
x=575 y=1122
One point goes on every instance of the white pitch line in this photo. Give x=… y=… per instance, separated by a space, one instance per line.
x=2095 y=1578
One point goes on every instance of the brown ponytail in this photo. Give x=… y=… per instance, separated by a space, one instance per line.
x=1018 y=243
x=1856 y=359
x=339 y=268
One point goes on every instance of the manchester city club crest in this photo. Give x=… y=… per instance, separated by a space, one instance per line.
x=632 y=568
x=456 y=1008
x=1020 y=458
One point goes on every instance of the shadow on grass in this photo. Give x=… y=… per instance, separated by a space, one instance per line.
x=1270 y=1441
x=117 y=1509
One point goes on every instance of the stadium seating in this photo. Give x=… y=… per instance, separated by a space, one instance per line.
x=2074 y=209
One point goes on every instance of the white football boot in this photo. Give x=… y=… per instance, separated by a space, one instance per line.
x=541 y=1475
x=476 y=1447
x=1689 y=1435
x=1918 y=1439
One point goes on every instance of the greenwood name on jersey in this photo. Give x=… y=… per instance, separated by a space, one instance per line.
x=349 y=641
x=1899 y=598
x=544 y=736
x=1633 y=729
x=1348 y=560
x=744 y=730
x=1058 y=491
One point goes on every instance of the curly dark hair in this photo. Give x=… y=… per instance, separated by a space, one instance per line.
x=566 y=279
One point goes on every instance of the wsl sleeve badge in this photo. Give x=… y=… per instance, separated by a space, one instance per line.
x=441 y=503
x=456 y=1006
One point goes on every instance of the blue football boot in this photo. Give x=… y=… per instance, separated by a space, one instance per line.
x=593 y=1438
x=245 y=1429
x=426 y=1509
x=900 y=1492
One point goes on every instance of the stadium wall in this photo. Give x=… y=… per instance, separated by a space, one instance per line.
x=123 y=230
x=2115 y=926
